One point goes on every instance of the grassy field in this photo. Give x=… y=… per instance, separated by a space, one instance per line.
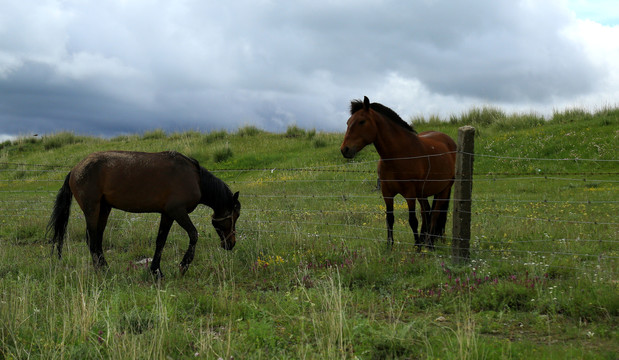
x=311 y=275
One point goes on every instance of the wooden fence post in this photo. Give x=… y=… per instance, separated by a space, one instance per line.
x=463 y=187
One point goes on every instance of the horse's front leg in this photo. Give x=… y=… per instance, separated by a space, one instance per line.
x=412 y=221
x=185 y=222
x=390 y=218
x=164 y=229
x=426 y=212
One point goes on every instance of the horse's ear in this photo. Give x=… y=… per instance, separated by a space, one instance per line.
x=236 y=196
x=366 y=103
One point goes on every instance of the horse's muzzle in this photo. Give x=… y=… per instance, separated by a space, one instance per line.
x=229 y=241
x=348 y=152
x=228 y=245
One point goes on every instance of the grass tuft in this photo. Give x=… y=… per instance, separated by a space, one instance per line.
x=222 y=153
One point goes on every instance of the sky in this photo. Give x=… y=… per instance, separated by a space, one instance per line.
x=113 y=67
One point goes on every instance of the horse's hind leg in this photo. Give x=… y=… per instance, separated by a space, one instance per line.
x=440 y=205
x=96 y=220
x=442 y=219
x=426 y=212
x=104 y=214
x=164 y=229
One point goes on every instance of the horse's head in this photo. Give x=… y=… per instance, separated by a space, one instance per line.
x=225 y=223
x=361 y=128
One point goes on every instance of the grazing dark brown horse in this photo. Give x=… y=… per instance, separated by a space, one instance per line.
x=168 y=183
x=416 y=166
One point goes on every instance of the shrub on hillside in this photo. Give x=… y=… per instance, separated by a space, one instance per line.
x=484 y=116
x=222 y=154
x=215 y=135
x=249 y=130
x=294 y=131
x=154 y=135
x=59 y=140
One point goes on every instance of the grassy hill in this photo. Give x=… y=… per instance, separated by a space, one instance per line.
x=312 y=275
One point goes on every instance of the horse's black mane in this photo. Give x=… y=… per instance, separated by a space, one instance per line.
x=219 y=194
x=357 y=105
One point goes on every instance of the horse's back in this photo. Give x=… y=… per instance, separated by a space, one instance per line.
x=441 y=141
x=137 y=181
x=131 y=164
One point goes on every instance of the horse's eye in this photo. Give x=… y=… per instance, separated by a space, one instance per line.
x=361 y=122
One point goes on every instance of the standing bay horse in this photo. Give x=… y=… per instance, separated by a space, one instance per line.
x=168 y=183
x=413 y=165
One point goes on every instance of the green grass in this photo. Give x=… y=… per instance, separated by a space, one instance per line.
x=311 y=275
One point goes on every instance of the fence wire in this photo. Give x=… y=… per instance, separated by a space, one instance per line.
x=27 y=196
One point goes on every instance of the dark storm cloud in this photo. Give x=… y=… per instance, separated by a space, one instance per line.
x=495 y=50
x=115 y=67
x=35 y=100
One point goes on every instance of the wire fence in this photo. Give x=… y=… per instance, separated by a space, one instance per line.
x=341 y=202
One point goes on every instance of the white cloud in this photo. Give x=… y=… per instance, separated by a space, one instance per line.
x=6 y=137
x=30 y=30
x=601 y=46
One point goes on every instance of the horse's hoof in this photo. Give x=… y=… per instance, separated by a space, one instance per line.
x=183 y=268
x=101 y=267
x=158 y=274
x=430 y=246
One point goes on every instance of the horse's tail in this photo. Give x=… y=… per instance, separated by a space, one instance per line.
x=60 y=215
